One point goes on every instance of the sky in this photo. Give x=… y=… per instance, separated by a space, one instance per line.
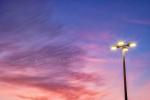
x=60 y=49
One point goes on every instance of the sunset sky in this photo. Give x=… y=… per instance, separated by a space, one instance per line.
x=60 y=49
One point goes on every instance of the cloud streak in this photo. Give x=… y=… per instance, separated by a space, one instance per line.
x=137 y=21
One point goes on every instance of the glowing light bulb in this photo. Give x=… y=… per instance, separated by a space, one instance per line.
x=120 y=43
x=113 y=48
x=125 y=49
x=132 y=44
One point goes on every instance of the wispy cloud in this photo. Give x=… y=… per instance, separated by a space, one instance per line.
x=137 y=21
x=36 y=53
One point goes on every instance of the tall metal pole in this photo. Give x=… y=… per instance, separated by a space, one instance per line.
x=124 y=47
x=124 y=76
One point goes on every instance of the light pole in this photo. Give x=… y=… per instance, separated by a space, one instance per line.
x=124 y=48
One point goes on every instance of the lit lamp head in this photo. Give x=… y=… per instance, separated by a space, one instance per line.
x=120 y=43
x=132 y=44
x=113 y=48
x=124 y=50
x=123 y=46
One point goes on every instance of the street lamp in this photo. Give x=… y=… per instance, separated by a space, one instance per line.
x=124 y=48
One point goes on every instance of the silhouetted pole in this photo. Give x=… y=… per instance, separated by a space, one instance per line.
x=124 y=48
x=124 y=76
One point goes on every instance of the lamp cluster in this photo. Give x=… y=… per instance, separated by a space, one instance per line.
x=123 y=46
